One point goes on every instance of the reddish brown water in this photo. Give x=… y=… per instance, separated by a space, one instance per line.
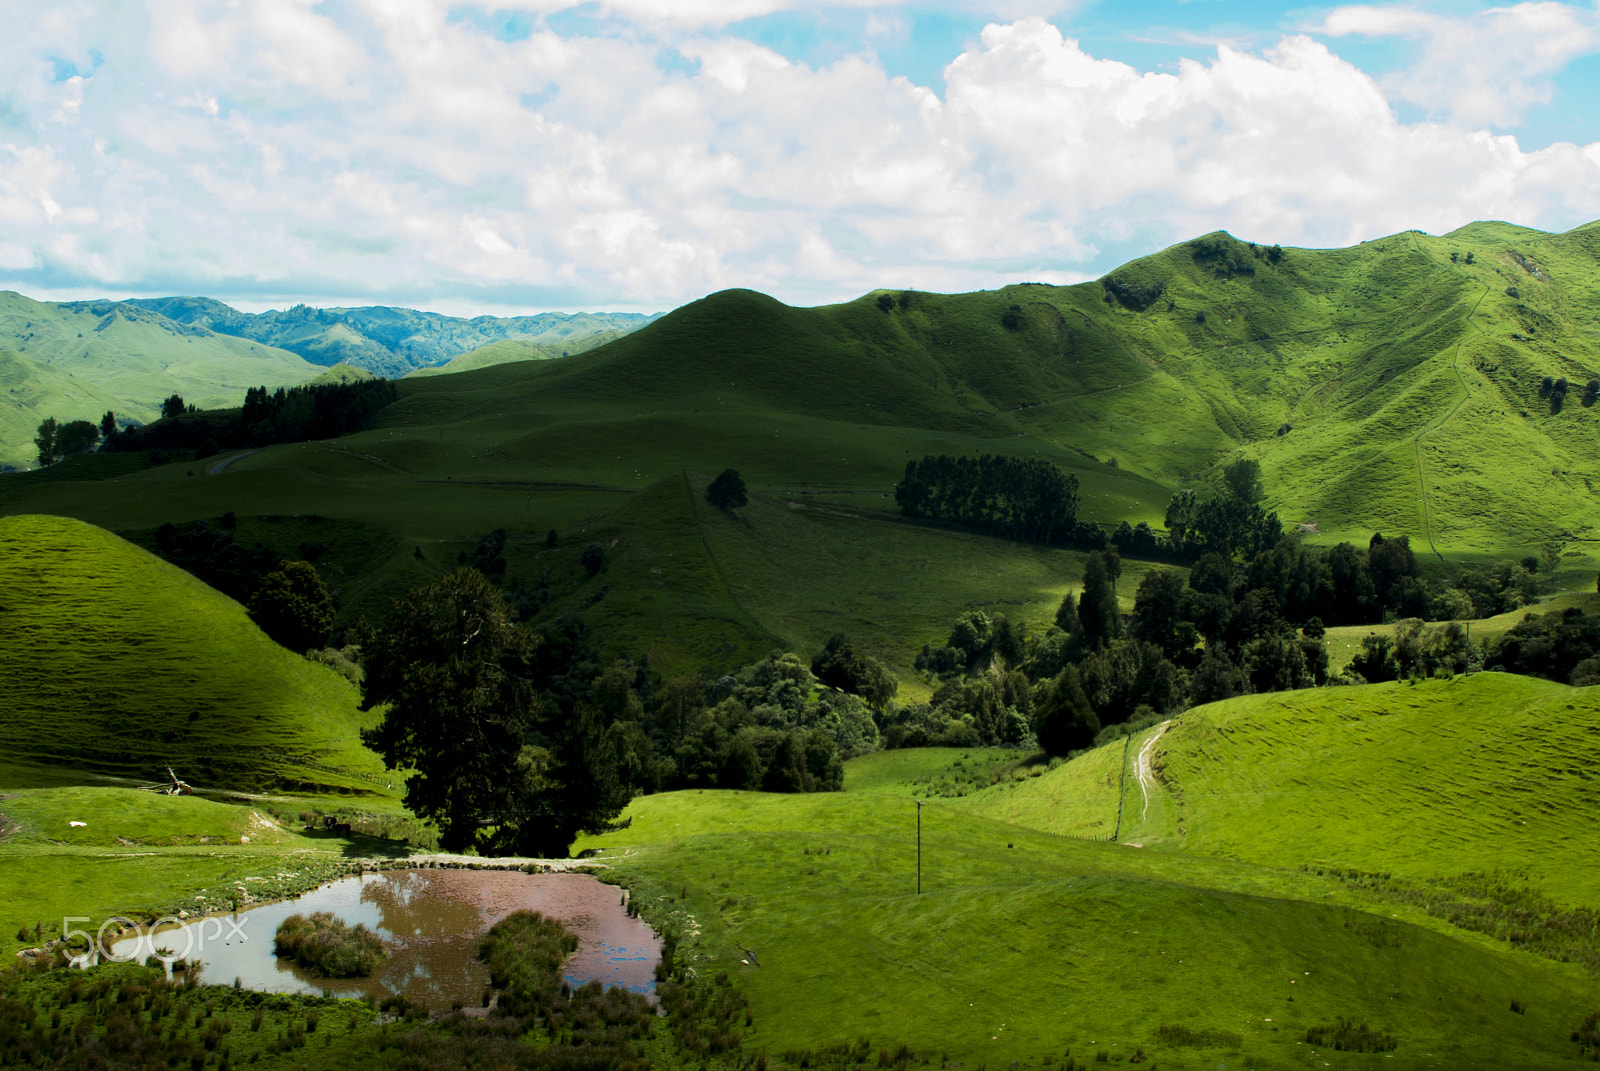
x=434 y=919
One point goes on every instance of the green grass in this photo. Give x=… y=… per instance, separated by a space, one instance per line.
x=121 y=664
x=1025 y=945
x=1437 y=779
x=1393 y=366
x=73 y=363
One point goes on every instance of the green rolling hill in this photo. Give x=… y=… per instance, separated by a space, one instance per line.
x=120 y=664
x=1392 y=386
x=1031 y=947
x=75 y=360
x=1428 y=781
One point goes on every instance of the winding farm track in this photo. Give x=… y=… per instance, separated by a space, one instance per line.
x=1143 y=770
x=222 y=465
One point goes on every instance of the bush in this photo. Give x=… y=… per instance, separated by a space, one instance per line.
x=1199 y=1039
x=1346 y=1036
x=323 y=944
x=524 y=952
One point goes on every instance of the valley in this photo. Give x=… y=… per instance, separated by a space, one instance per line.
x=1337 y=870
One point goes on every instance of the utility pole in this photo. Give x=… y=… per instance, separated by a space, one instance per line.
x=919 y=847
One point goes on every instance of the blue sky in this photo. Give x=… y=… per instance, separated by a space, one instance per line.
x=512 y=155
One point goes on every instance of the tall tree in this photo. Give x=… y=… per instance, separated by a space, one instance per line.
x=727 y=490
x=1243 y=479
x=293 y=606
x=494 y=766
x=46 y=440
x=1063 y=720
x=1097 y=607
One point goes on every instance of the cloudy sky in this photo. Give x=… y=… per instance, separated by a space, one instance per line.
x=518 y=155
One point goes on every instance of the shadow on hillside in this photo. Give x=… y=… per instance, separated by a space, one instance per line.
x=356 y=845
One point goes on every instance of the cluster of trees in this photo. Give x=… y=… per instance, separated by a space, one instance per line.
x=521 y=740
x=295 y=414
x=56 y=440
x=1092 y=668
x=1230 y=628
x=1017 y=497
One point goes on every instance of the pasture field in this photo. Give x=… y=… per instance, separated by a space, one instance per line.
x=1025 y=946
x=119 y=663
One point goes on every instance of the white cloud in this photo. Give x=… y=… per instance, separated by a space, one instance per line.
x=1488 y=67
x=382 y=151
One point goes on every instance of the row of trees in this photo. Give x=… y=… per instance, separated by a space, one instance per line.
x=1017 y=497
x=295 y=414
x=56 y=440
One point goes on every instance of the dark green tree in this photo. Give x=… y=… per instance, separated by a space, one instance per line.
x=76 y=437
x=108 y=425
x=172 y=407
x=727 y=490
x=841 y=666
x=493 y=765
x=1097 y=608
x=1067 y=614
x=1243 y=479
x=1063 y=720
x=293 y=606
x=1159 y=614
x=45 y=440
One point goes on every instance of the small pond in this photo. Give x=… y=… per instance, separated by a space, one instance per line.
x=433 y=920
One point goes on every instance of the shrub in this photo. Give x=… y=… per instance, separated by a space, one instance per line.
x=524 y=952
x=323 y=944
x=1346 y=1036
x=1199 y=1039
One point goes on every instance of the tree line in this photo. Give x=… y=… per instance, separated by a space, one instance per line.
x=287 y=415
x=1023 y=498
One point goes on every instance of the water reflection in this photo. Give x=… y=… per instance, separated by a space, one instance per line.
x=433 y=920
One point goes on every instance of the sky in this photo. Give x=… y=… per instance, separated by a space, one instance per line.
x=529 y=155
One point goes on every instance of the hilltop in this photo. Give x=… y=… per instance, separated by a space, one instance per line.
x=121 y=664
x=1400 y=385
x=1395 y=386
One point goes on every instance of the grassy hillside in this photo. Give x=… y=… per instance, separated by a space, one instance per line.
x=121 y=664
x=1383 y=387
x=1026 y=946
x=1483 y=774
x=1362 y=357
x=74 y=360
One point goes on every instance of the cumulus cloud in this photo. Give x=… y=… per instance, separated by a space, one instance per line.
x=1488 y=67
x=384 y=150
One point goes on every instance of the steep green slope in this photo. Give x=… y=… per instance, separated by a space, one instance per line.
x=1390 y=386
x=91 y=356
x=1432 y=780
x=1025 y=946
x=121 y=664
x=33 y=391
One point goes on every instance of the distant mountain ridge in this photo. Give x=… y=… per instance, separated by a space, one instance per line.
x=74 y=360
x=390 y=341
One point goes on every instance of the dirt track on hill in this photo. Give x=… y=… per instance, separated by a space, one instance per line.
x=1142 y=768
